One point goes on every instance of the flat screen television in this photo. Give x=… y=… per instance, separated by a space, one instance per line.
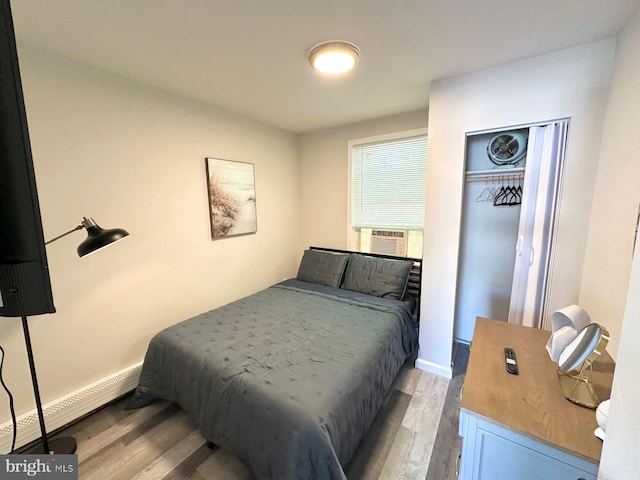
x=25 y=287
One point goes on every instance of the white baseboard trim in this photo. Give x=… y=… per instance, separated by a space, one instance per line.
x=66 y=409
x=442 y=370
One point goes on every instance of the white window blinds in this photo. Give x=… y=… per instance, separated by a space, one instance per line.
x=388 y=183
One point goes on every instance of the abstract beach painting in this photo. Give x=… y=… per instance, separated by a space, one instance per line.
x=232 y=198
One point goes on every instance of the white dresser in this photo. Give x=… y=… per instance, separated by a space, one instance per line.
x=521 y=426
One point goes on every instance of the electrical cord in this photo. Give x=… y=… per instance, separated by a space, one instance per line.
x=11 y=406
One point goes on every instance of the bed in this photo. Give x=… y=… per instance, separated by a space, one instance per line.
x=289 y=379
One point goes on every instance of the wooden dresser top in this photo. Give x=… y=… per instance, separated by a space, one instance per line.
x=532 y=402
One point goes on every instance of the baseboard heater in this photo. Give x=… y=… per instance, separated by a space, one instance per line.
x=67 y=409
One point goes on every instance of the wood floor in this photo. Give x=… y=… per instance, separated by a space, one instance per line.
x=414 y=437
x=448 y=445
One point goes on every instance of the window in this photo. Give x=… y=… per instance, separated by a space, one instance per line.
x=388 y=176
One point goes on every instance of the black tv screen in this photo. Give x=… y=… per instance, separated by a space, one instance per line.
x=25 y=287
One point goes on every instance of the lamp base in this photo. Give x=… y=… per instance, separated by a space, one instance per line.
x=578 y=389
x=58 y=446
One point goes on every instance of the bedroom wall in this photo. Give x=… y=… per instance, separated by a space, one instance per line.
x=611 y=281
x=132 y=156
x=324 y=169
x=617 y=197
x=568 y=83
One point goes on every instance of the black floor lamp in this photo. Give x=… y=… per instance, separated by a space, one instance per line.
x=97 y=238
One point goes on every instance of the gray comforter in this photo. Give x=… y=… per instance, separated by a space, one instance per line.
x=288 y=379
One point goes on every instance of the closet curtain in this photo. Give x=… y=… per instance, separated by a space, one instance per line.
x=534 y=249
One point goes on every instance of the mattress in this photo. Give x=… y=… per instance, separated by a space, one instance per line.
x=288 y=379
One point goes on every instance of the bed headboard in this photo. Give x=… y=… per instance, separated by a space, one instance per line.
x=415 y=276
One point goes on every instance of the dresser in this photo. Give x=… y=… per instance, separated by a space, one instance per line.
x=521 y=426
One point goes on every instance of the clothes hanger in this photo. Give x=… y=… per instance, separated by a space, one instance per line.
x=513 y=192
x=499 y=198
x=509 y=194
x=485 y=195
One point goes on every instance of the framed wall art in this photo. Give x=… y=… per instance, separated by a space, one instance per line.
x=232 y=198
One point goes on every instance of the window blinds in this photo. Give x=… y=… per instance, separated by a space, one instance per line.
x=388 y=183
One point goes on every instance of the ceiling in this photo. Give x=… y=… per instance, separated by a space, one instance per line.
x=250 y=56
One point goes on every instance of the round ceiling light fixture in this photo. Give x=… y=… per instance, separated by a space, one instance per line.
x=335 y=56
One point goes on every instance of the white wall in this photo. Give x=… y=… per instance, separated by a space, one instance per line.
x=324 y=170
x=620 y=459
x=617 y=196
x=133 y=157
x=608 y=265
x=568 y=83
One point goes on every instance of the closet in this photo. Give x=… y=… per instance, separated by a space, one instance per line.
x=512 y=185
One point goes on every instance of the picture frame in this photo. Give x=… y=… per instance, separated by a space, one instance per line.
x=232 y=198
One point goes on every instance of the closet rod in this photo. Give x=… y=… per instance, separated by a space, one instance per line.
x=493 y=172
x=496 y=179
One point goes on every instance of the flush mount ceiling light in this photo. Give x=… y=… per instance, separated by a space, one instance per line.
x=335 y=56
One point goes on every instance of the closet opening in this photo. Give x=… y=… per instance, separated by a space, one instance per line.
x=512 y=186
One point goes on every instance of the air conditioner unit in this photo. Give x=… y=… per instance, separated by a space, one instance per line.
x=389 y=242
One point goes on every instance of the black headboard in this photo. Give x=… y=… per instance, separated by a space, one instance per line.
x=415 y=276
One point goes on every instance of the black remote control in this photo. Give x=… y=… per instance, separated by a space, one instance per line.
x=510 y=359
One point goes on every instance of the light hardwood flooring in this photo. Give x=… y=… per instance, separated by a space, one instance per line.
x=414 y=437
x=444 y=458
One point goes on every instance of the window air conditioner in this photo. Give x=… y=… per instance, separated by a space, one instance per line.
x=389 y=242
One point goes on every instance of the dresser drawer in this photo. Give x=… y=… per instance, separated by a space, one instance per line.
x=490 y=452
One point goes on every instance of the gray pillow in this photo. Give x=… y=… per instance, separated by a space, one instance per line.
x=323 y=268
x=380 y=277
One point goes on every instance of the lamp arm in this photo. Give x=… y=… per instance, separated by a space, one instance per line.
x=75 y=229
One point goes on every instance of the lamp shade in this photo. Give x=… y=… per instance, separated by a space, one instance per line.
x=566 y=323
x=98 y=237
